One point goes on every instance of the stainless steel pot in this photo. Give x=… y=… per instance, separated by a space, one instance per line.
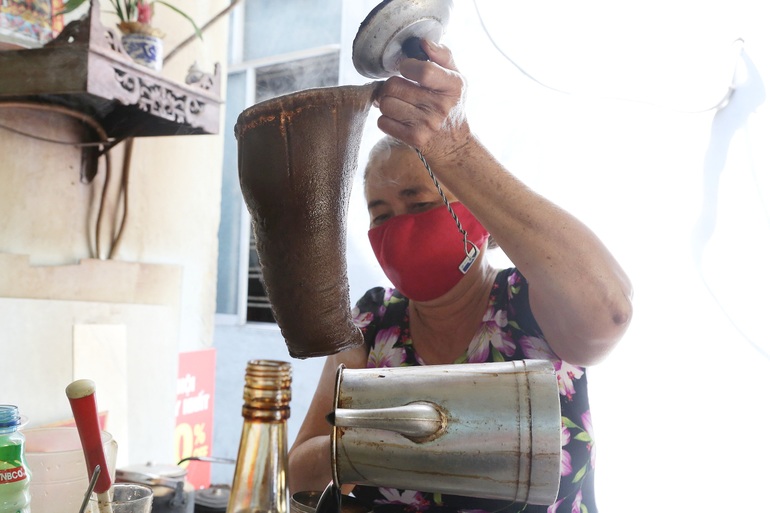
x=489 y=430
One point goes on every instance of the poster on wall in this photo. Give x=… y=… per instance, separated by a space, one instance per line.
x=29 y=23
x=195 y=413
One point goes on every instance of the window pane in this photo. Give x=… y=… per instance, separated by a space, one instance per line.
x=275 y=27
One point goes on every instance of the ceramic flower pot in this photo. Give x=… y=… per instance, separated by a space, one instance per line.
x=144 y=49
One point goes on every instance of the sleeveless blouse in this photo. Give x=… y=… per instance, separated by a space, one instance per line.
x=508 y=331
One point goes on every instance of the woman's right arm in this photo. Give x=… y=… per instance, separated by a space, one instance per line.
x=310 y=456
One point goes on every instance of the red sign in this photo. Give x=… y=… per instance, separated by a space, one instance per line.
x=195 y=413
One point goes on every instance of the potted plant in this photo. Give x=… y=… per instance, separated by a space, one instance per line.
x=141 y=40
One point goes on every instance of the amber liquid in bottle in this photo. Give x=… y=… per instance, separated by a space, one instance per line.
x=259 y=482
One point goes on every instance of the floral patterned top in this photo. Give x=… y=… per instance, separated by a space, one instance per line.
x=507 y=332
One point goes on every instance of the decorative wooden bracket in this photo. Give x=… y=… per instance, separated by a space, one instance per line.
x=85 y=68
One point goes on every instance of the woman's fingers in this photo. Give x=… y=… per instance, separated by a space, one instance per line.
x=409 y=114
x=426 y=102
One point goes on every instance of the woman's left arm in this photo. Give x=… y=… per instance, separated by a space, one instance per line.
x=579 y=294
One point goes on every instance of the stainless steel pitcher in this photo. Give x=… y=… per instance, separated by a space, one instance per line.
x=489 y=430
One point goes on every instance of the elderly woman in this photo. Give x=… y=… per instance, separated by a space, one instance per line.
x=566 y=300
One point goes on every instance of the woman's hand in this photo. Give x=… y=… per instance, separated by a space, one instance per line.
x=425 y=106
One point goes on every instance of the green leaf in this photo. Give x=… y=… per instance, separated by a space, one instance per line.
x=583 y=508
x=462 y=359
x=122 y=16
x=568 y=423
x=583 y=437
x=580 y=473
x=70 y=6
x=197 y=30
x=496 y=356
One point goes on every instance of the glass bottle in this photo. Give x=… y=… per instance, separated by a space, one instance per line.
x=14 y=473
x=259 y=482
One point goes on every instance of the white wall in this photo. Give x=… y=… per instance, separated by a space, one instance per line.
x=680 y=193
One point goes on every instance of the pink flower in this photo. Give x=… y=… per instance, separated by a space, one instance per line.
x=536 y=348
x=143 y=12
x=514 y=281
x=577 y=502
x=566 y=373
x=387 y=299
x=361 y=320
x=384 y=353
x=566 y=458
x=553 y=507
x=388 y=295
x=478 y=350
x=589 y=428
x=414 y=500
x=491 y=335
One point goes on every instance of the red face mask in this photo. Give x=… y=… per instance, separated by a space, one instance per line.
x=422 y=253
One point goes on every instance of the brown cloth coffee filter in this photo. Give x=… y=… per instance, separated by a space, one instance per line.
x=297 y=156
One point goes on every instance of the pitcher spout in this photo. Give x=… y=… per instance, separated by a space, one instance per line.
x=420 y=421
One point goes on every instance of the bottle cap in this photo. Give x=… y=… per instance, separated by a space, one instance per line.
x=9 y=416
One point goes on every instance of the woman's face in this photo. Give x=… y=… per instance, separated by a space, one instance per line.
x=397 y=184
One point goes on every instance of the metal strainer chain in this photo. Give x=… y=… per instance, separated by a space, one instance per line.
x=446 y=202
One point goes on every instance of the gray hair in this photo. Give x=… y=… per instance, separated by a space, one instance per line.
x=381 y=151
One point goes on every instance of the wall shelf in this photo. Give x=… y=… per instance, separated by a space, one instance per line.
x=85 y=68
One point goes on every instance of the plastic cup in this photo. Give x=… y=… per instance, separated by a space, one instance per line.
x=126 y=498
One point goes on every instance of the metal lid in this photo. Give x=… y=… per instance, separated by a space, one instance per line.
x=379 y=44
x=214 y=497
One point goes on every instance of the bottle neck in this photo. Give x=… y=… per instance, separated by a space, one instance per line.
x=264 y=415
x=267 y=391
x=260 y=482
x=9 y=419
